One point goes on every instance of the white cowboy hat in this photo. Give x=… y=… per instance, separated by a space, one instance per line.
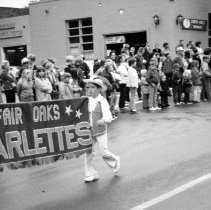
x=96 y=80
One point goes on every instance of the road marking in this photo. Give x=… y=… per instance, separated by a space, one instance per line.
x=172 y=193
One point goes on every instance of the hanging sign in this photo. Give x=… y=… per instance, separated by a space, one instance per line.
x=194 y=24
x=11 y=34
x=115 y=39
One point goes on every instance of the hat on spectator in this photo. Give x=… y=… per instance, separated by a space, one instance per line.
x=4 y=63
x=24 y=60
x=179 y=49
x=52 y=60
x=66 y=75
x=70 y=58
x=31 y=57
x=143 y=72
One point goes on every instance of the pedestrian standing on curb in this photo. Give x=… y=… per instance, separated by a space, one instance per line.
x=164 y=92
x=8 y=82
x=144 y=89
x=132 y=83
x=100 y=115
x=153 y=78
x=187 y=85
x=123 y=72
x=206 y=79
x=176 y=84
x=195 y=74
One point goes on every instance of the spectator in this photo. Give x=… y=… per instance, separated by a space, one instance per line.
x=195 y=74
x=144 y=89
x=43 y=86
x=25 y=87
x=153 y=78
x=164 y=92
x=132 y=83
x=85 y=67
x=123 y=71
x=8 y=82
x=206 y=79
x=65 y=87
x=156 y=49
x=177 y=84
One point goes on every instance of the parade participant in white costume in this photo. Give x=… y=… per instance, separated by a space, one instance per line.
x=100 y=115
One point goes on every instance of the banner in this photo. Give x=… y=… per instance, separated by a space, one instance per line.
x=40 y=129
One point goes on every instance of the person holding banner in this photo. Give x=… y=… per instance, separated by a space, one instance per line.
x=100 y=115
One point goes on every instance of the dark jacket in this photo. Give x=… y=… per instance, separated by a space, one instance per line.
x=85 y=69
x=153 y=76
x=176 y=78
x=168 y=66
x=164 y=88
x=8 y=81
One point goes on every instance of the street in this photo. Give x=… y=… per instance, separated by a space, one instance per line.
x=159 y=152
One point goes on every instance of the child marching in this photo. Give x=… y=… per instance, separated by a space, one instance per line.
x=100 y=115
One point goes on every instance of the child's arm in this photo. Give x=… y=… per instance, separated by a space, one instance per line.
x=107 y=117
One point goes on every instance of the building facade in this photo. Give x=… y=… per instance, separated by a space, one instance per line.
x=94 y=28
x=15 y=40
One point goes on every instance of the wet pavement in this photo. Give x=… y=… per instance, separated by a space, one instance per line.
x=159 y=151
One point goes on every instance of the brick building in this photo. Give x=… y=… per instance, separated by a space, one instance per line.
x=62 y=27
x=14 y=34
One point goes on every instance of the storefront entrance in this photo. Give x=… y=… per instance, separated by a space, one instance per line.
x=116 y=41
x=15 y=54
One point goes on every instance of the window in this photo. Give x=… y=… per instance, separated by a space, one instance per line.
x=80 y=34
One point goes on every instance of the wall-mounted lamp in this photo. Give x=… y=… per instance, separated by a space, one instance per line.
x=156 y=19
x=179 y=19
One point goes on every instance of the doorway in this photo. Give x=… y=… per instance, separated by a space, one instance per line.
x=136 y=40
x=15 y=54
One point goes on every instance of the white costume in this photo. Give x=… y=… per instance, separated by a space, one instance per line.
x=101 y=140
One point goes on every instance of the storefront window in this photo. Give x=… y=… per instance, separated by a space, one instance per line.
x=80 y=34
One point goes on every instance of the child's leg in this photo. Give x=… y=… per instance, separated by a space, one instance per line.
x=175 y=94
x=162 y=100
x=166 y=101
x=198 y=93
x=110 y=159
x=155 y=96
x=144 y=105
x=122 y=89
x=179 y=92
x=151 y=94
x=89 y=166
x=133 y=91
x=186 y=98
